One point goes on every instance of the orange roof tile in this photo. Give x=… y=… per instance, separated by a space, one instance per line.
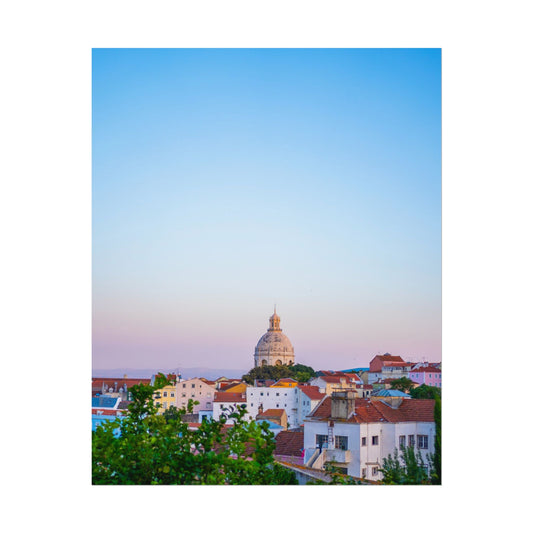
x=289 y=443
x=273 y=413
x=367 y=411
x=230 y=397
x=312 y=392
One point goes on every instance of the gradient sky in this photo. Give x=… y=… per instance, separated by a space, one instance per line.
x=229 y=180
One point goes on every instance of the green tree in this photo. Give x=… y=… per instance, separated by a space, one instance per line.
x=405 y=468
x=426 y=392
x=402 y=384
x=151 y=449
x=436 y=474
x=301 y=373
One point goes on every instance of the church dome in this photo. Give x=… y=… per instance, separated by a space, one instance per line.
x=274 y=347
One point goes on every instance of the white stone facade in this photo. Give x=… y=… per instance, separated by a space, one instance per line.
x=286 y=398
x=274 y=347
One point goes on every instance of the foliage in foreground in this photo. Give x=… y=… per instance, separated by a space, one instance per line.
x=406 y=468
x=300 y=373
x=152 y=449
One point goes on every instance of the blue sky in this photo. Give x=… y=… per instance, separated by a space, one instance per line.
x=227 y=180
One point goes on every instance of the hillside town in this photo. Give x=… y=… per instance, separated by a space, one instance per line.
x=352 y=418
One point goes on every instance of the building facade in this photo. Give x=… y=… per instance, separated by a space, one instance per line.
x=357 y=434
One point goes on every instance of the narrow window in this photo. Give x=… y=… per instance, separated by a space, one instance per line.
x=423 y=442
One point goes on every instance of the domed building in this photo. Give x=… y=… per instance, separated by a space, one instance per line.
x=274 y=347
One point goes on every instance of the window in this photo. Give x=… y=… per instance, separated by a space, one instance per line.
x=261 y=394
x=165 y=405
x=172 y=395
x=184 y=385
x=374 y=470
x=277 y=393
x=412 y=441
x=321 y=440
x=423 y=442
x=183 y=395
x=341 y=442
x=401 y=441
x=165 y=394
x=363 y=472
x=192 y=386
x=277 y=405
x=363 y=441
x=375 y=440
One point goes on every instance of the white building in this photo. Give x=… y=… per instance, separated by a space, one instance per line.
x=196 y=389
x=297 y=402
x=227 y=402
x=261 y=399
x=357 y=434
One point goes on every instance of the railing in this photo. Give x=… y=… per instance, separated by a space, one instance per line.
x=339 y=456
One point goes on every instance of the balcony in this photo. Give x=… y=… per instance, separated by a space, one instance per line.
x=338 y=456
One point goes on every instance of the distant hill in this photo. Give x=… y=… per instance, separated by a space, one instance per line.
x=186 y=373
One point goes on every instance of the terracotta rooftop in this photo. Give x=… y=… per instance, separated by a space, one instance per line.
x=312 y=392
x=289 y=443
x=120 y=382
x=338 y=377
x=271 y=413
x=431 y=369
x=230 y=397
x=366 y=411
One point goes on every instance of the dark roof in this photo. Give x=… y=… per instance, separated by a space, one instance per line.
x=289 y=443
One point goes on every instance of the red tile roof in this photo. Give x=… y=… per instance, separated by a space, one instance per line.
x=271 y=413
x=289 y=443
x=230 y=397
x=366 y=411
x=431 y=369
x=120 y=382
x=103 y=411
x=338 y=377
x=312 y=392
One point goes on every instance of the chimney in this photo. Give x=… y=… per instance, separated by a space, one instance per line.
x=342 y=403
x=394 y=401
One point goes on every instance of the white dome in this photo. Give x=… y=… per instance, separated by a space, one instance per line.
x=274 y=342
x=274 y=347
